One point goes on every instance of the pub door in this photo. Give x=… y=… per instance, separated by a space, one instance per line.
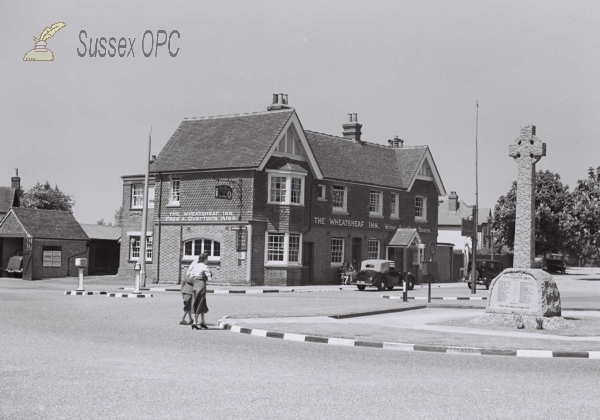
x=307 y=262
x=356 y=252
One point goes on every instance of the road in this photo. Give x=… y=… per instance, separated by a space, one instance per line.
x=96 y=357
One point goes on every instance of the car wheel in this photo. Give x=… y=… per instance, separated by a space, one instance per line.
x=411 y=283
x=390 y=287
x=381 y=285
x=361 y=288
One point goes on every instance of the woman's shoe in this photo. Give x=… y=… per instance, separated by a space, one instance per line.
x=184 y=323
x=195 y=327
x=204 y=326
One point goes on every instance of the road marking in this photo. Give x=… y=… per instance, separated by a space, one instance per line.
x=340 y=342
x=534 y=353
x=293 y=337
x=399 y=346
x=259 y=333
x=83 y=293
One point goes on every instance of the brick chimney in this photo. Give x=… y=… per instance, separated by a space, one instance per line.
x=15 y=181
x=452 y=201
x=280 y=101
x=396 y=142
x=352 y=128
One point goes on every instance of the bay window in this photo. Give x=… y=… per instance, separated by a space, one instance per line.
x=286 y=188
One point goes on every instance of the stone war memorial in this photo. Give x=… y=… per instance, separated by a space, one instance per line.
x=522 y=296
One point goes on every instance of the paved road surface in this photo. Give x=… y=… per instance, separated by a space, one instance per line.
x=97 y=357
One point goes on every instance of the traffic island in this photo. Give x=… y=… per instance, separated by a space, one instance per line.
x=130 y=295
x=83 y=293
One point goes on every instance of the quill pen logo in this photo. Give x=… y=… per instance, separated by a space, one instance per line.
x=40 y=52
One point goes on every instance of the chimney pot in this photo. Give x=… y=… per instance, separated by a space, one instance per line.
x=285 y=99
x=280 y=101
x=349 y=117
x=453 y=201
x=274 y=98
x=354 y=118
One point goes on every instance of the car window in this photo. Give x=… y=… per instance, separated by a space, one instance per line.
x=369 y=266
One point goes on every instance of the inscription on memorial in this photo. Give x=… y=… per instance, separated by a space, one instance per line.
x=514 y=291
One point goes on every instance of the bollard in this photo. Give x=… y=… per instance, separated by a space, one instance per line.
x=81 y=263
x=404 y=289
x=428 y=289
x=136 y=287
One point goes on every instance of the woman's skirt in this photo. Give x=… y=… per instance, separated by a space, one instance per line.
x=199 y=297
x=187 y=302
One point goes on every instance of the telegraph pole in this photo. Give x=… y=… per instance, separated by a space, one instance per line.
x=145 y=215
x=476 y=208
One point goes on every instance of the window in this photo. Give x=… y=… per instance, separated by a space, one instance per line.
x=373 y=249
x=283 y=248
x=418 y=255
x=395 y=204
x=339 y=198
x=337 y=250
x=135 y=248
x=137 y=196
x=150 y=197
x=286 y=189
x=175 y=191
x=321 y=195
x=425 y=170
x=52 y=256
x=420 y=208
x=375 y=203
x=195 y=247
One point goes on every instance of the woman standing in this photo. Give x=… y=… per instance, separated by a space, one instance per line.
x=200 y=275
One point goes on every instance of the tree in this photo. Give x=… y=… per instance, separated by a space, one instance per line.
x=553 y=221
x=101 y=222
x=43 y=196
x=585 y=213
x=119 y=216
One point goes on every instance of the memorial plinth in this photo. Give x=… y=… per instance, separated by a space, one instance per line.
x=524 y=291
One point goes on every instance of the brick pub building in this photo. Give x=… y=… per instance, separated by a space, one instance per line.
x=274 y=204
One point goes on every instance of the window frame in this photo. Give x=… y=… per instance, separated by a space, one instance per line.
x=285 y=262
x=341 y=253
x=321 y=192
x=173 y=181
x=379 y=203
x=137 y=197
x=287 y=201
x=149 y=250
x=193 y=257
x=369 y=250
x=422 y=217
x=52 y=257
x=344 y=189
x=395 y=205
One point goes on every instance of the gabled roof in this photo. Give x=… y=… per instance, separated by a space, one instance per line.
x=222 y=142
x=454 y=218
x=104 y=232
x=51 y=224
x=405 y=237
x=340 y=159
x=7 y=198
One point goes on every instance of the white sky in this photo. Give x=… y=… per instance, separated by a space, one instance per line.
x=409 y=68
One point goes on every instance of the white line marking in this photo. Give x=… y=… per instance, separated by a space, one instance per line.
x=236 y=328
x=449 y=298
x=464 y=350
x=534 y=353
x=293 y=337
x=399 y=346
x=253 y=291
x=260 y=333
x=594 y=354
x=340 y=342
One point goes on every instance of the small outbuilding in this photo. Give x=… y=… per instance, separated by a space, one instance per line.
x=105 y=247
x=48 y=240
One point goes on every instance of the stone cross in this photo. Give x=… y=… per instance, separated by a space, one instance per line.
x=527 y=150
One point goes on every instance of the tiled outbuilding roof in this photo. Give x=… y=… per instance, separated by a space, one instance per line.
x=342 y=158
x=7 y=198
x=404 y=237
x=54 y=224
x=221 y=142
x=104 y=232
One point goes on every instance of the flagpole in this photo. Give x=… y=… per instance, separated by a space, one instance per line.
x=145 y=215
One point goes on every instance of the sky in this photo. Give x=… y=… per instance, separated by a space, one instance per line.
x=415 y=69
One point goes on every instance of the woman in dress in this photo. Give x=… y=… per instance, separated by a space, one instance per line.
x=200 y=275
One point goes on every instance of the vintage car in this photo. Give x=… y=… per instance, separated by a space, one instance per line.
x=381 y=274
x=485 y=273
x=556 y=262
x=15 y=266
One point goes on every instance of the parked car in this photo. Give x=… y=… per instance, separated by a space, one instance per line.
x=485 y=272
x=381 y=274
x=556 y=262
x=15 y=266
